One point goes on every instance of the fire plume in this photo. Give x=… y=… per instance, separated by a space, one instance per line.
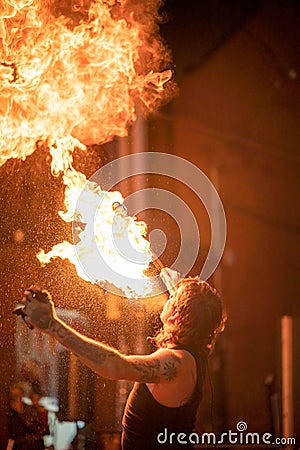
x=110 y=244
x=73 y=82
x=58 y=81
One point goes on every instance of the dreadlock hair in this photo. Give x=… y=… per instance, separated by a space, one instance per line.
x=201 y=317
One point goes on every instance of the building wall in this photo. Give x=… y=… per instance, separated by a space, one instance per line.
x=237 y=114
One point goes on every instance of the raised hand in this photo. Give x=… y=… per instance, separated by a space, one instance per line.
x=38 y=308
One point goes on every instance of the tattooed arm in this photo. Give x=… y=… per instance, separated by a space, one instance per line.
x=159 y=367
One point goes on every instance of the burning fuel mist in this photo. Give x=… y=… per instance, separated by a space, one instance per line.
x=73 y=77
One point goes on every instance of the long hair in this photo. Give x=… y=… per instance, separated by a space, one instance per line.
x=201 y=317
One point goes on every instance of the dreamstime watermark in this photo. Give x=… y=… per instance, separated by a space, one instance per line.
x=172 y=167
x=239 y=437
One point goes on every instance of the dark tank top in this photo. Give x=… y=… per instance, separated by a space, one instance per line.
x=148 y=424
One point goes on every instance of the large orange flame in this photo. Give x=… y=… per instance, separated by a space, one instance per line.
x=57 y=81
x=65 y=84
x=97 y=257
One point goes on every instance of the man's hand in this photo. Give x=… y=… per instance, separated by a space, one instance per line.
x=39 y=308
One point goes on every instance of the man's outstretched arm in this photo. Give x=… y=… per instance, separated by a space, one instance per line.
x=161 y=366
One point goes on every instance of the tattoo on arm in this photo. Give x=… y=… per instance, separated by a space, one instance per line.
x=95 y=353
x=154 y=371
x=150 y=371
x=171 y=367
x=109 y=363
x=170 y=370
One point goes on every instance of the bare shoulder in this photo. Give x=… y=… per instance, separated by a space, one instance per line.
x=176 y=363
x=178 y=377
x=178 y=355
x=186 y=360
x=183 y=355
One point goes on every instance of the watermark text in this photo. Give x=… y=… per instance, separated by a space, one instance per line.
x=240 y=437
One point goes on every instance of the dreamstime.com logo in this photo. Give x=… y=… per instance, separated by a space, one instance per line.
x=172 y=167
x=239 y=437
